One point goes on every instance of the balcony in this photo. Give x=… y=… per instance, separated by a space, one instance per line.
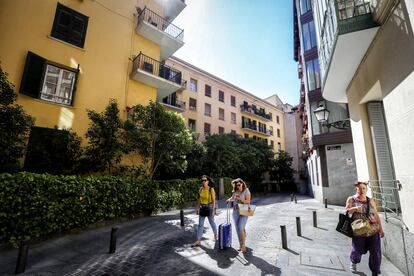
x=253 y=128
x=172 y=8
x=162 y=32
x=347 y=31
x=147 y=70
x=172 y=103
x=260 y=114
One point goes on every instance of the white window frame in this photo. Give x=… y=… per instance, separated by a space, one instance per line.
x=56 y=97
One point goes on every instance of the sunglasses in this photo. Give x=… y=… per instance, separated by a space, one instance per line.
x=204 y=180
x=237 y=185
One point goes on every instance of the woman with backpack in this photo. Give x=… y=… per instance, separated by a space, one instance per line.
x=206 y=207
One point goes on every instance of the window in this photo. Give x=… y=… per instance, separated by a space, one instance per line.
x=271 y=130
x=233 y=118
x=351 y=8
x=207 y=109
x=277 y=119
x=47 y=81
x=278 y=133
x=221 y=114
x=221 y=96
x=305 y=6
x=272 y=144
x=208 y=91
x=233 y=101
x=192 y=125
x=221 y=130
x=246 y=135
x=233 y=131
x=207 y=128
x=309 y=35
x=70 y=26
x=193 y=104
x=279 y=146
x=313 y=74
x=193 y=85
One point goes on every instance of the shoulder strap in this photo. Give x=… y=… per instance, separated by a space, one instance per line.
x=209 y=192
x=368 y=207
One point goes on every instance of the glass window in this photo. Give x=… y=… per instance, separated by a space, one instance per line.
x=233 y=131
x=233 y=101
x=193 y=104
x=221 y=114
x=193 y=85
x=233 y=118
x=208 y=90
x=278 y=133
x=305 y=5
x=207 y=128
x=309 y=35
x=58 y=85
x=192 y=125
x=277 y=119
x=221 y=130
x=313 y=74
x=207 y=109
x=221 y=96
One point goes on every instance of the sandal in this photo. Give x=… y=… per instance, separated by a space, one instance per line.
x=196 y=243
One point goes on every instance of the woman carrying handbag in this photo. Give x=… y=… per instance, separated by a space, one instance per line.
x=241 y=195
x=206 y=207
x=364 y=210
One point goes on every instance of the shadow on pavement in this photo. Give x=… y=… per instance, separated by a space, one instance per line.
x=261 y=264
x=224 y=258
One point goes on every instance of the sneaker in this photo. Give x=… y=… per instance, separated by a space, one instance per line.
x=352 y=267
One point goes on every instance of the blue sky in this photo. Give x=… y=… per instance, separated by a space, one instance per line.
x=248 y=43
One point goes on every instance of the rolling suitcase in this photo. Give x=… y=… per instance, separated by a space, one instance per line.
x=225 y=232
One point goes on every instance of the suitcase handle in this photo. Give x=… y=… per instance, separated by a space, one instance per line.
x=228 y=212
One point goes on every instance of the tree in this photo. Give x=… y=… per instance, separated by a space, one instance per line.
x=15 y=127
x=53 y=150
x=104 y=132
x=157 y=137
x=234 y=156
x=282 y=172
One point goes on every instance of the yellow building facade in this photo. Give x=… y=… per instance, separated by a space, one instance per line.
x=211 y=105
x=65 y=57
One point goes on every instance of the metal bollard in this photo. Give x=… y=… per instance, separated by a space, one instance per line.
x=298 y=227
x=284 y=238
x=326 y=203
x=22 y=257
x=296 y=201
x=182 y=217
x=112 y=243
x=315 y=222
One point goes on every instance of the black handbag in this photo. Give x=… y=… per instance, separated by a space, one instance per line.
x=204 y=210
x=344 y=225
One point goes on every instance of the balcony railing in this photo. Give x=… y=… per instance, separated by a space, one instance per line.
x=254 y=127
x=175 y=103
x=160 y=23
x=157 y=68
x=255 y=111
x=386 y=193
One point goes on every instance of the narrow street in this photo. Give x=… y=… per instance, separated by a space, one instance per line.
x=159 y=246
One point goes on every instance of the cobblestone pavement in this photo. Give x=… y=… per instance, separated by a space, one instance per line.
x=159 y=246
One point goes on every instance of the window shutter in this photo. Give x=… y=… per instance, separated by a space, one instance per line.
x=383 y=157
x=78 y=33
x=32 y=75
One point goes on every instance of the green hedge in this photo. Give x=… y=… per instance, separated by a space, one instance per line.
x=37 y=205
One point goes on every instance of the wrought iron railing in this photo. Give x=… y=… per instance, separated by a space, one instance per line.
x=160 y=23
x=255 y=128
x=255 y=111
x=175 y=103
x=386 y=192
x=156 y=68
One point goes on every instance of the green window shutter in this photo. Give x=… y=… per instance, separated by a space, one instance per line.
x=33 y=75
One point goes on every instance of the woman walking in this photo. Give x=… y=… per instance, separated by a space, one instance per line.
x=358 y=205
x=241 y=194
x=206 y=207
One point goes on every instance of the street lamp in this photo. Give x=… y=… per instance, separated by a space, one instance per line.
x=322 y=115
